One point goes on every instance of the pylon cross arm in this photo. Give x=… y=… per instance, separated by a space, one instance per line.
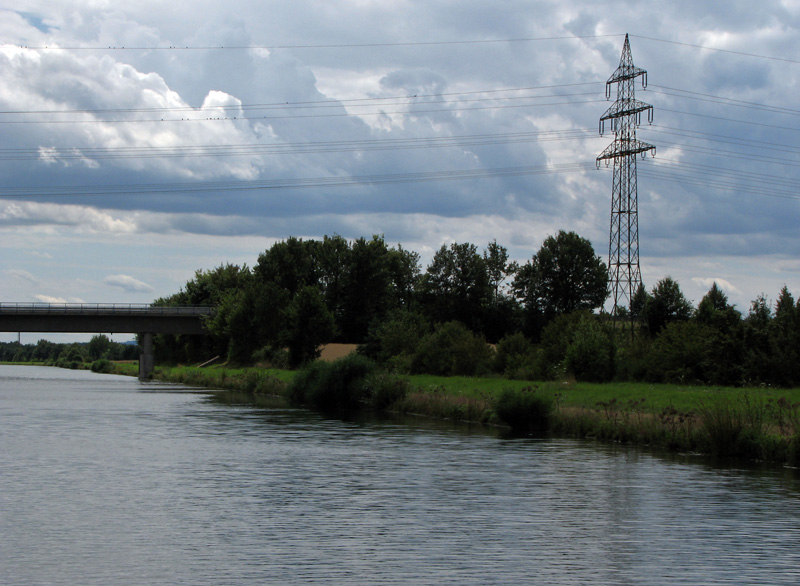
x=626 y=108
x=625 y=147
x=625 y=72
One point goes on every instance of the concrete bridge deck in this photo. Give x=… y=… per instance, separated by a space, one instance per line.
x=112 y=318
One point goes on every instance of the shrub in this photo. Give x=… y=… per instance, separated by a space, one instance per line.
x=273 y=356
x=103 y=365
x=452 y=350
x=590 y=354
x=678 y=354
x=734 y=427
x=385 y=389
x=556 y=338
x=524 y=411
x=333 y=386
x=399 y=335
x=513 y=356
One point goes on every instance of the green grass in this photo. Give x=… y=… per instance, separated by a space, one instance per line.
x=587 y=395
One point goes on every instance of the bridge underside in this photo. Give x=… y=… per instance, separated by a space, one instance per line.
x=94 y=324
x=106 y=319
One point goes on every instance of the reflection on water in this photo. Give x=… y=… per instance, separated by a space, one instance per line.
x=106 y=480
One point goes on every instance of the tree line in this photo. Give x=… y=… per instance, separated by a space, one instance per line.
x=70 y=355
x=473 y=311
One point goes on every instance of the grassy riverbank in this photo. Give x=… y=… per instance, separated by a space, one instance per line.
x=755 y=423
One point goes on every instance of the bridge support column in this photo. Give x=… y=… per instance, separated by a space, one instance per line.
x=146 y=359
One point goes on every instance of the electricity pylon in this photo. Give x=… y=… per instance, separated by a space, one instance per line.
x=625 y=114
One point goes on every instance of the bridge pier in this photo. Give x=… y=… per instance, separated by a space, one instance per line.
x=146 y=358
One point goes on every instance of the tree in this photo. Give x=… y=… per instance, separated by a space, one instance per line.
x=639 y=301
x=711 y=304
x=368 y=288
x=250 y=319
x=502 y=314
x=497 y=267
x=309 y=324
x=785 y=340
x=725 y=358
x=456 y=286
x=206 y=288
x=290 y=264
x=404 y=273
x=333 y=260
x=209 y=287
x=45 y=351
x=99 y=347
x=564 y=276
x=784 y=307
x=666 y=304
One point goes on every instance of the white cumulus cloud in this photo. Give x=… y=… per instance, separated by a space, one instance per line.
x=128 y=283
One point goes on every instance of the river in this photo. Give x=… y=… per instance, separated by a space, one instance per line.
x=107 y=480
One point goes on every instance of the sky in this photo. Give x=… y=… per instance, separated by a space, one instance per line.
x=143 y=141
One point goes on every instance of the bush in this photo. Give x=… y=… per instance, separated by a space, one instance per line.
x=452 y=350
x=514 y=356
x=590 y=354
x=524 y=411
x=385 y=389
x=399 y=335
x=556 y=338
x=272 y=356
x=333 y=386
x=735 y=427
x=103 y=365
x=678 y=354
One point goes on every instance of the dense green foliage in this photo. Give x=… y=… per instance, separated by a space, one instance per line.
x=524 y=410
x=304 y=293
x=472 y=312
x=563 y=277
x=349 y=383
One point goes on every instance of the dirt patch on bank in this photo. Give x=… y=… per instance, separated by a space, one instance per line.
x=331 y=352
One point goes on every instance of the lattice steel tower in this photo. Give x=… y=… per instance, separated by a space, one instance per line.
x=625 y=115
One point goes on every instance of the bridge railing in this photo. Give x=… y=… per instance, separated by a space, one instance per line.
x=102 y=309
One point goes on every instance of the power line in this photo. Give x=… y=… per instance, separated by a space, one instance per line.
x=325 y=102
x=263 y=185
x=707 y=48
x=320 y=46
x=735 y=155
x=723 y=119
x=722 y=138
x=730 y=102
x=409 y=112
x=295 y=147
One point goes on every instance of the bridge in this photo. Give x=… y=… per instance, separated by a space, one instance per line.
x=111 y=318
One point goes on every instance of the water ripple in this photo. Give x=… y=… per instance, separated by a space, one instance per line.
x=101 y=483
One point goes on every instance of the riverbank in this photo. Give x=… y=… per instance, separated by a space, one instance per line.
x=743 y=423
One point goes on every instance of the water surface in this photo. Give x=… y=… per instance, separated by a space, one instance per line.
x=106 y=480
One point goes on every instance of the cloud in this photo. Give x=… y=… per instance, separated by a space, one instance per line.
x=708 y=282
x=57 y=300
x=39 y=254
x=235 y=144
x=23 y=276
x=127 y=283
x=93 y=220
